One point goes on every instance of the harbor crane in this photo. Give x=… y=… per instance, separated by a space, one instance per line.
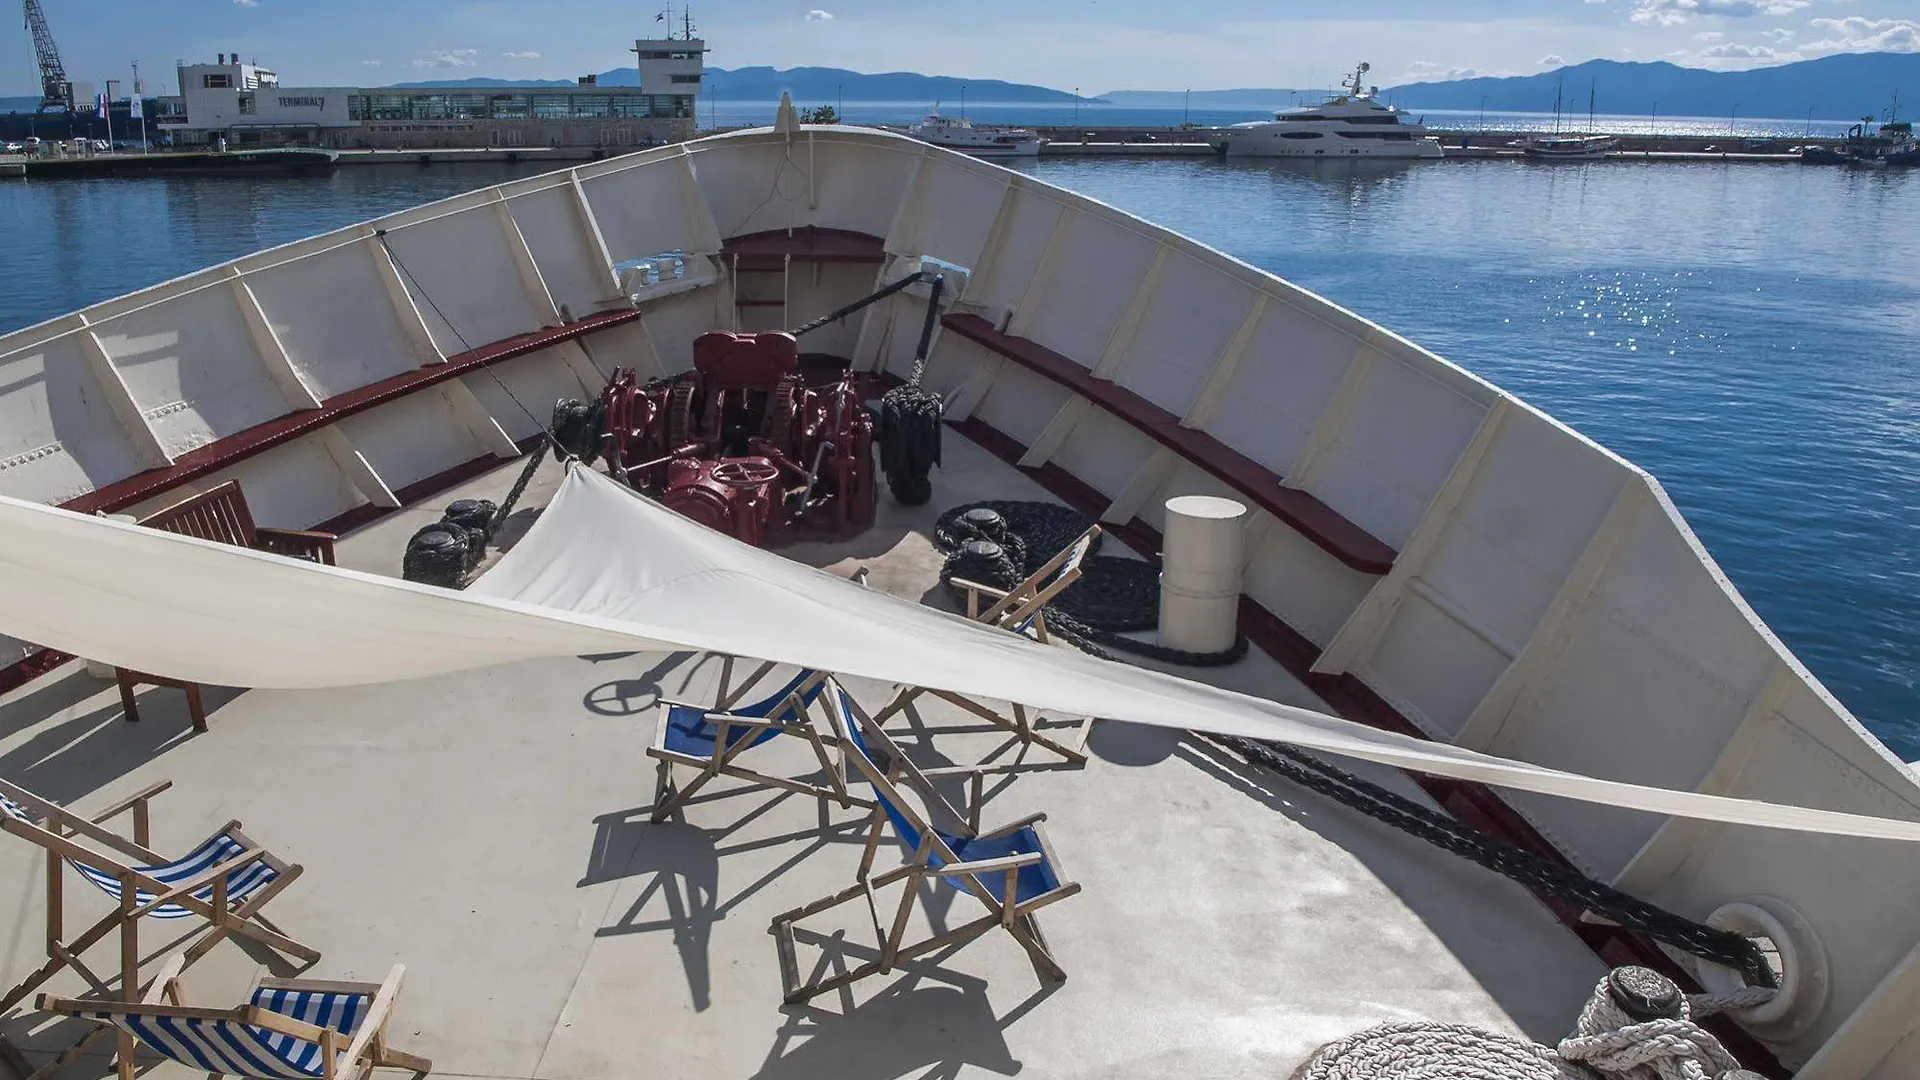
x=56 y=93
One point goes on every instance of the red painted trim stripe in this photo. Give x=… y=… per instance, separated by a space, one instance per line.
x=1474 y=804
x=1314 y=519
x=770 y=250
x=222 y=453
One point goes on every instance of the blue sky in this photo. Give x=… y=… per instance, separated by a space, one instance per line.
x=1095 y=45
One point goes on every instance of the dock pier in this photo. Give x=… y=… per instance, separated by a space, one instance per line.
x=1085 y=141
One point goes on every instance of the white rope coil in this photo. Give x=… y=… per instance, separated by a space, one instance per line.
x=1607 y=1044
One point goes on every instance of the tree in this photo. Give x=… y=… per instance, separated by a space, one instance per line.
x=825 y=114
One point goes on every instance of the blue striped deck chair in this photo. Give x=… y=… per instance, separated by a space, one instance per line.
x=289 y=1029
x=1012 y=871
x=1021 y=609
x=712 y=739
x=223 y=882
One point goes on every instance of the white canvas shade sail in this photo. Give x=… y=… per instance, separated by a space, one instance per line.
x=605 y=570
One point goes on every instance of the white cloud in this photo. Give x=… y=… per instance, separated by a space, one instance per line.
x=521 y=55
x=1777 y=34
x=448 y=58
x=1733 y=50
x=1708 y=35
x=1428 y=71
x=1855 y=34
x=246 y=3
x=1671 y=12
x=1552 y=60
x=369 y=63
x=819 y=15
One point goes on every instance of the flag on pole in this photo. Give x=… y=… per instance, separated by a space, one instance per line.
x=134 y=111
x=100 y=106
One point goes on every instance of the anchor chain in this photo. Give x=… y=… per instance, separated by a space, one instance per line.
x=1096 y=611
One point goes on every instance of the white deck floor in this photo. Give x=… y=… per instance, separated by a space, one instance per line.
x=489 y=831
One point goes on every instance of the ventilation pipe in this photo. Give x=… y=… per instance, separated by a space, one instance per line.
x=1205 y=548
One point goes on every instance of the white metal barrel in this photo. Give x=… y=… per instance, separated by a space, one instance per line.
x=1204 y=549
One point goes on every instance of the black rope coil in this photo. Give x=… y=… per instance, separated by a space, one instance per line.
x=437 y=555
x=910 y=441
x=1114 y=596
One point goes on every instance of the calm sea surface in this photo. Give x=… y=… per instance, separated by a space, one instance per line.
x=1748 y=333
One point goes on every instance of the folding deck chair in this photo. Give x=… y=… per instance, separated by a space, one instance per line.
x=289 y=1029
x=711 y=740
x=225 y=880
x=1012 y=870
x=1021 y=609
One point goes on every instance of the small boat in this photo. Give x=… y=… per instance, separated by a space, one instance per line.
x=1892 y=144
x=1817 y=154
x=1353 y=124
x=1567 y=147
x=959 y=133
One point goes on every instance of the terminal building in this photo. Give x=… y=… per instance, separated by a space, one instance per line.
x=246 y=106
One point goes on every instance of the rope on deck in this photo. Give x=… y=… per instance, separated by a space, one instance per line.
x=1635 y=1026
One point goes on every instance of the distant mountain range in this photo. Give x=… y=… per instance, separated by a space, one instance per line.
x=1841 y=87
x=810 y=84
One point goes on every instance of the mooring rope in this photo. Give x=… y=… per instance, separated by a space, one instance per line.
x=1108 y=601
x=1636 y=1025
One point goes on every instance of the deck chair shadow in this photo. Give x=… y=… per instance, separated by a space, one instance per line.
x=223 y=881
x=712 y=740
x=1021 y=609
x=289 y=1029
x=1012 y=871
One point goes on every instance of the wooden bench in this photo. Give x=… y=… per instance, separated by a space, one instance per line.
x=219 y=514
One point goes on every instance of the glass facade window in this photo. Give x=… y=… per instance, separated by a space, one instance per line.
x=694 y=79
x=590 y=105
x=246 y=105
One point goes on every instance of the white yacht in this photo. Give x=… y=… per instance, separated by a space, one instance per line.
x=1353 y=124
x=1507 y=632
x=959 y=133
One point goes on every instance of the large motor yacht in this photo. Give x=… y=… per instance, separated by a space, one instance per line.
x=1352 y=124
x=542 y=792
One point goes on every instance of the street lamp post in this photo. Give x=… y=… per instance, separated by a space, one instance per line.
x=1186 y=107
x=1076 y=106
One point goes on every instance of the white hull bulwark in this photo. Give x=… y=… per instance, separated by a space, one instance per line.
x=1270 y=140
x=1473 y=567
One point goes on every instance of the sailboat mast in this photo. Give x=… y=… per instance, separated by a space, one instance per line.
x=1592 y=88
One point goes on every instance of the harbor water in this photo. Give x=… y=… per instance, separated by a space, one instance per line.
x=1751 y=336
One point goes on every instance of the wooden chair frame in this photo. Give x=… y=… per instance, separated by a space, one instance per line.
x=366 y=1050
x=1019 y=609
x=68 y=836
x=220 y=514
x=668 y=798
x=931 y=861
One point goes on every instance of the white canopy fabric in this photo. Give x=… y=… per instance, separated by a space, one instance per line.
x=605 y=570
